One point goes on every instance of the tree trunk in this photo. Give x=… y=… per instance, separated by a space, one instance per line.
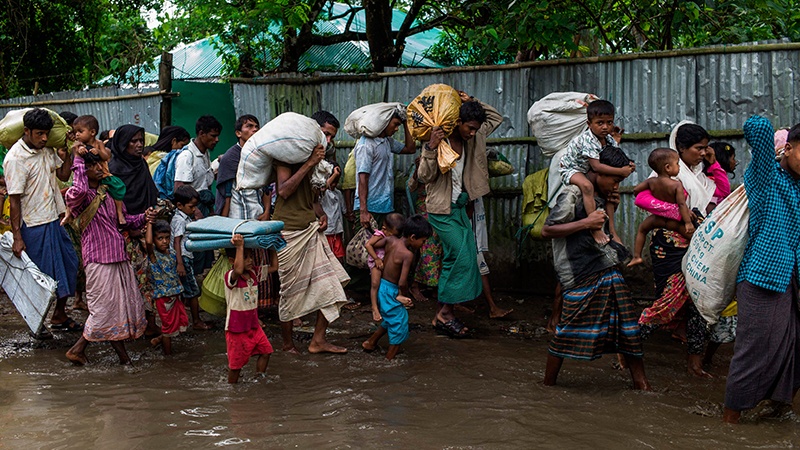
x=378 y=15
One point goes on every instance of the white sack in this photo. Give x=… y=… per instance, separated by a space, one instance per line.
x=289 y=138
x=711 y=264
x=557 y=118
x=371 y=120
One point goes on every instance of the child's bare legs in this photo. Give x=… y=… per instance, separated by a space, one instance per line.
x=262 y=363
x=233 y=375
x=649 y=224
x=495 y=312
x=197 y=323
x=119 y=347
x=558 y=301
x=371 y=343
x=393 y=349
x=416 y=292
x=120 y=215
x=636 y=366
x=166 y=345
x=375 y=282
x=610 y=209
x=587 y=191
x=288 y=341
x=711 y=349
x=551 y=369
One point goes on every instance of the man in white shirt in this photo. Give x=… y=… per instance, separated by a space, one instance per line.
x=36 y=207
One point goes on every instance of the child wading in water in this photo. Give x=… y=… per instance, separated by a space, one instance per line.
x=393 y=296
x=665 y=162
x=243 y=334
x=166 y=283
x=392 y=226
x=583 y=155
x=86 y=129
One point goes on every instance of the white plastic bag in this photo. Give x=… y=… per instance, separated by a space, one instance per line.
x=289 y=138
x=371 y=120
x=711 y=264
x=557 y=118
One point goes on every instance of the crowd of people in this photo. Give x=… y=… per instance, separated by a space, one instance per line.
x=107 y=217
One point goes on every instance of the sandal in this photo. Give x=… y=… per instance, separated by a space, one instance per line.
x=453 y=328
x=67 y=325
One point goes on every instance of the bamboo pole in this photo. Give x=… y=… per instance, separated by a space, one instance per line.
x=89 y=100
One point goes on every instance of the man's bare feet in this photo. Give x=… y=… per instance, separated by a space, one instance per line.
x=79 y=359
x=416 y=292
x=291 y=349
x=499 y=313
x=463 y=308
x=201 y=326
x=156 y=341
x=368 y=347
x=731 y=416
x=635 y=261
x=325 y=347
x=642 y=386
x=695 y=367
x=600 y=237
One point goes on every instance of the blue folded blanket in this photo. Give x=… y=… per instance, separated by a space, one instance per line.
x=195 y=236
x=225 y=225
x=274 y=240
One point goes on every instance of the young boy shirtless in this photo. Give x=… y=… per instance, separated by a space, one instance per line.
x=393 y=296
x=665 y=162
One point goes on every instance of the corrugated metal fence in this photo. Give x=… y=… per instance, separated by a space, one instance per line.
x=717 y=88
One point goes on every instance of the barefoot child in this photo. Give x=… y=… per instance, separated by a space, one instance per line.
x=243 y=334
x=583 y=155
x=332 y=203
x=393 y=293
x=186 y=200
x=86 y=129
x=166 y=284
x=392 y=226
x=665 y=162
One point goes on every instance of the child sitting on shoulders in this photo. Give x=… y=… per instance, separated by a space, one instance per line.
x=392 y=226
x=393 y=296
x=166 y=284
x=666 y=163
x=86 y=129
x=243 y=334
x=583 y=155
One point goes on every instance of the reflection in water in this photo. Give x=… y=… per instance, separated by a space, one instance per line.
x=442 y=393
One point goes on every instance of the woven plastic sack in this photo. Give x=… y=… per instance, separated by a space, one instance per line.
x=349 y=175
x=371 y=120
x=711 y=264
x=438 y=105
x=499 y=165
x=12 y=128
x=557 y=118
x=212 y=296
x=356 y=252
x=534 y=203
x=289 y=138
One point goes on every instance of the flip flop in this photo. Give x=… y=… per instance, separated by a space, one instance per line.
x=453 y=328
x=68 y=325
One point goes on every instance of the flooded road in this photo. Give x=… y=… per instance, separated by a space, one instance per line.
x=441 y=393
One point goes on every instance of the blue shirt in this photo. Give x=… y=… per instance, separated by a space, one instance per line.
x=375 y=157
x=771 y=256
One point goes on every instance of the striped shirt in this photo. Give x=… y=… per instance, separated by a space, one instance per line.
x=101 y=242
x=772 y=251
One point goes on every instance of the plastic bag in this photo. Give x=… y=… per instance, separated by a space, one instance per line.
x=371 y=120
x=349 y=175
x=534 y=203
x=711 y=264
x=356 y=252
x=212 y=297
x=12 y=128
x=499 y=166
x=438 y=105
x=557 y=118
x=289 y=138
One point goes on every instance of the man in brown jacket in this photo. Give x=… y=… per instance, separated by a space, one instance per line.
x=448 y=195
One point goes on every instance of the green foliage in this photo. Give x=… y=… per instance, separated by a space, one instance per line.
x=62 y=44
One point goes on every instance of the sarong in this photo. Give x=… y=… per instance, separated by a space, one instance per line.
x=460 y=280
x=597 y=317
x=312 y=279
x=766 y=355
x=50 y=249
x=172 y=315
x=395 y=315
x=116 y=308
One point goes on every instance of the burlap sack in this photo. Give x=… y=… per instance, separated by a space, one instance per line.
x=438 y=105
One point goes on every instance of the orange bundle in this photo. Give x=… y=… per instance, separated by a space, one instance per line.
x=438 y=105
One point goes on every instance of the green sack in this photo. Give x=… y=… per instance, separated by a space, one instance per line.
x=12 y=128
x=534 y=203
x=212 y=298
x=349 y=175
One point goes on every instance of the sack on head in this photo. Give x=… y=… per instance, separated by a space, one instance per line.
x=12 y=128
x=557 y=118
x=371 y=120
x=438 y=105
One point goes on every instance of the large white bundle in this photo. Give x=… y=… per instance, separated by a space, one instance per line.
x=289 y=138
x=371 y=120
x=557 y=118
x=711 y=264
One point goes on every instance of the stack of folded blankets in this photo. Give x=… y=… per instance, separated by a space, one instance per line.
x=215 y=232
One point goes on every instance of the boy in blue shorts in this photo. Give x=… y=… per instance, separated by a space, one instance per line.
x=393 y=298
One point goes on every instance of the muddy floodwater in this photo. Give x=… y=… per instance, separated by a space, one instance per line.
x=439 y=394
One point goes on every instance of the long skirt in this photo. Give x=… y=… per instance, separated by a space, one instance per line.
x=460 y=280
x=116 y=309
x=312 y=279
x=429 y=264
x=50 y=248
x=598 y=317
x=766 y=355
